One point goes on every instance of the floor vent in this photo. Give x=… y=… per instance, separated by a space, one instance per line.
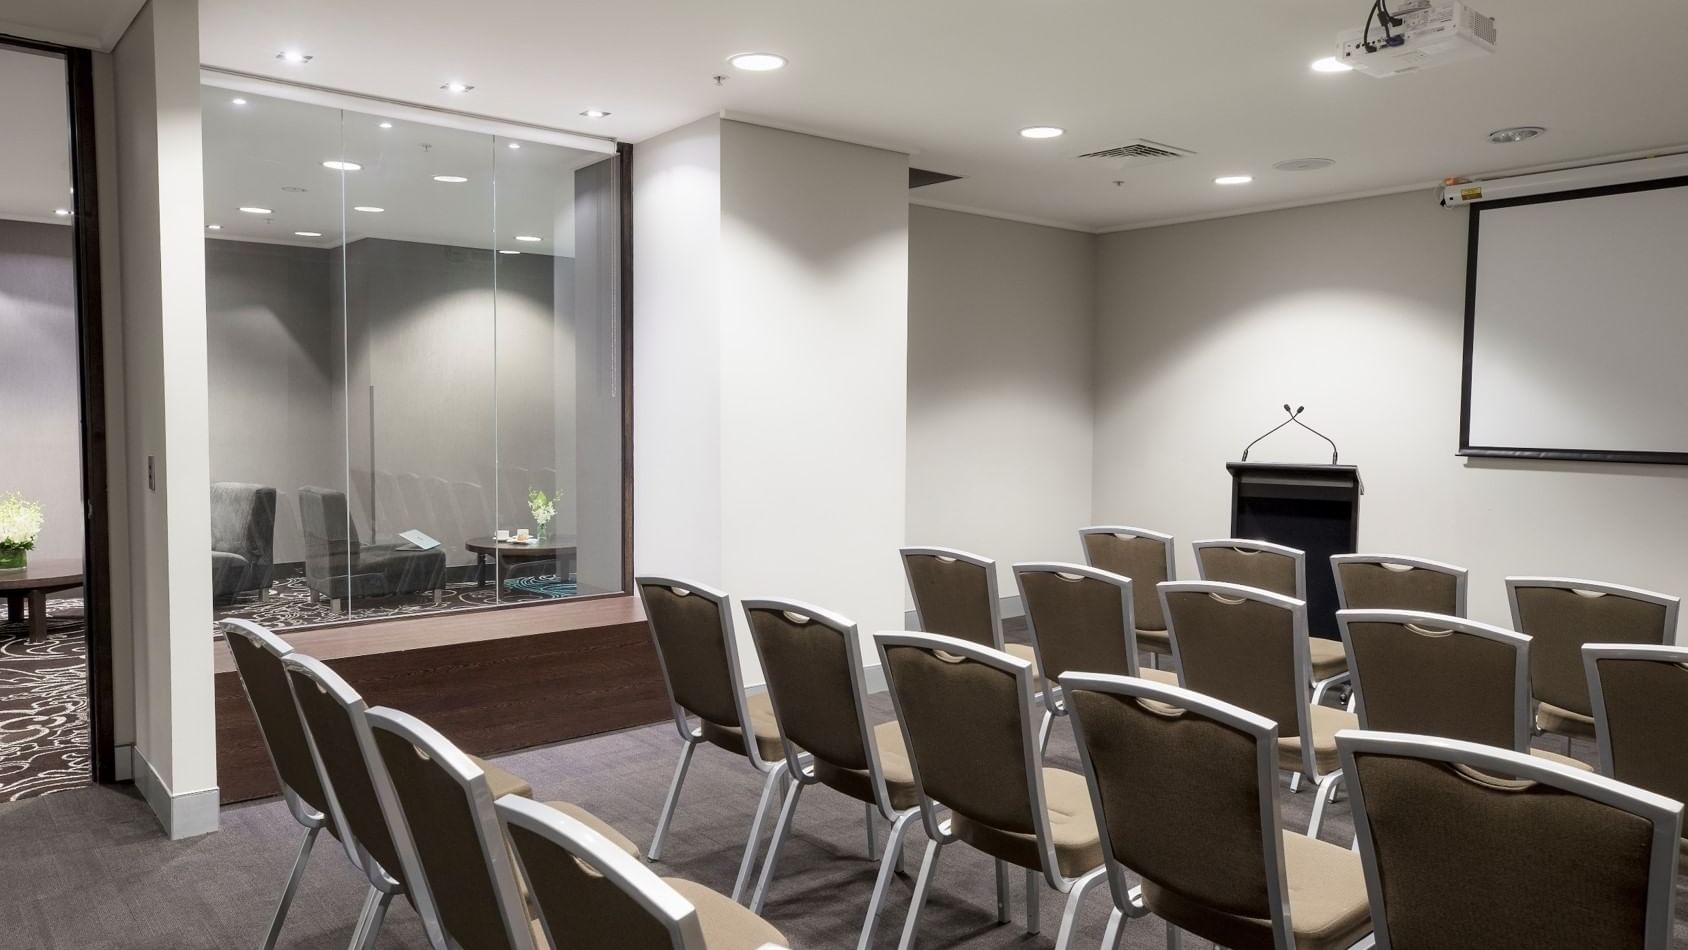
x=1140 y=152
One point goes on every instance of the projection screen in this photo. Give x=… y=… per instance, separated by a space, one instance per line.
x=1576 y=326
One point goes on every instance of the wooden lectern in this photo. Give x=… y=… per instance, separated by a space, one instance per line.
x=1312 y=507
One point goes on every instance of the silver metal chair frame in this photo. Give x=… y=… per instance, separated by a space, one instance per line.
x=952 y=554
x=1236 y=593
x=1460 y=575
x=1664 y=813
x=312 y=820
x=692 y=736
x=636 y=880
x=383 y=887
x=472 y=779
x=1429 y=624
x=1053 y=700
x=799 y=612
x=1592 y=654
x=1167 y=543
x=938 y=829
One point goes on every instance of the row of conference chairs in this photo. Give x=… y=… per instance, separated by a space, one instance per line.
x=482 y=864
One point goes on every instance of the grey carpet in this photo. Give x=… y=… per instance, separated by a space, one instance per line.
x=88 y=868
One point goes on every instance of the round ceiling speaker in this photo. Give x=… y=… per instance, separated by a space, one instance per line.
x=1304 y=164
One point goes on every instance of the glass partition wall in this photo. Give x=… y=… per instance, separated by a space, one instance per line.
x=415 y=359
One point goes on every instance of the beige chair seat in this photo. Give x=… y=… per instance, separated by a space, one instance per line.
x=1024 y=651
x=1155 y=641
x=1157 y=676
x=893 y=762
x=1327 y=902
x=1072 y=825
x=1565 y=722
x=501 y=781
x=596 y=824
x=727 y=925
x=1558 y=759
x=1328 y=657
x=1326 y=723
x=731 y=738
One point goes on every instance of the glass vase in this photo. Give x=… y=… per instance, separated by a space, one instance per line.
x=13 y=559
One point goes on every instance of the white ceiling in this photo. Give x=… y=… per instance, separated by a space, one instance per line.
x=95 y=24
x=34 y=112
x=955 y=80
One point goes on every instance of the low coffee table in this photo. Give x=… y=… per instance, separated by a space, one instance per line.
x=504 y=553
x=34 y=583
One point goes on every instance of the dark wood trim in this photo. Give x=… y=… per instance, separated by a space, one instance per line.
x=624 y=185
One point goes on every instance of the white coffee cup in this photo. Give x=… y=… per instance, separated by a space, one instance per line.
x=502 y=534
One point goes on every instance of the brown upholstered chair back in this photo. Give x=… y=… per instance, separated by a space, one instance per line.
x=332 y=713
x=257 y=657
x=590 y=894
x=1079 y=618
x=447 y=808
x=1388 y=582
x=812 y=661
x=954 y=594
x=1436 y=675
x=1640 y=696
x=966 y=713
x=1184 y=787
x=1466 y=845
x=692 y=625
x=1559 y=615
x=1241 y=645
x=1142 y=555
x=1261 y=564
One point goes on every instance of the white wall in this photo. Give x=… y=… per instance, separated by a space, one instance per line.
x=1356 y=310
x=1001 y=322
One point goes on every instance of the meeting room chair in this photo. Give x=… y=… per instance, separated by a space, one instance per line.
x=692 y=627
x=1147 y=557
x=955 y=595
x=1435 y=675
x=1248 y=647
x=1185 y=788
x=1468 y=845
x=1640 y=699
x=1560 y=615
x=1281 y=570
x=967 y=714
x=337 y=733
x=257 y=657
x=1393 y=582
x=812 y=659
x=590 y=895
x=462 y=864
x=1080 y=618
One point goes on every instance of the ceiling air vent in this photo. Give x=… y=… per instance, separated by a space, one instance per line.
x=1140 y=152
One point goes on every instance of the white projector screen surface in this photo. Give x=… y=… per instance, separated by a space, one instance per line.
x=1577 y=327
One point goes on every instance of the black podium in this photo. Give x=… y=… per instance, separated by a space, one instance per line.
x=1312 y=507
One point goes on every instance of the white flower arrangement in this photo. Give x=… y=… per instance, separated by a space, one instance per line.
x=20 y=522
x=542 y=508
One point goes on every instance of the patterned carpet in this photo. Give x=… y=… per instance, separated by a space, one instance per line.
x=291 y=604
x=44 y=742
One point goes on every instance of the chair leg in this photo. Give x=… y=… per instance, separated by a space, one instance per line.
x=922 y=886
x=1327 y=791
x=1002 y=892
x=1116 y=927
x=872 y=831
x=1172 y=938
x=287 y=893
x=782 y=831
x=1034 y=887
x=887 y=867
x=770 y=788
x=439 y=596
x=1295 y=783
x=369 y=922
x=1044 y=729
x=654 y=852
x=1075 y=898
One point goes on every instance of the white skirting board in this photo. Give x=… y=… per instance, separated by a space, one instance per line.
x=182 y=814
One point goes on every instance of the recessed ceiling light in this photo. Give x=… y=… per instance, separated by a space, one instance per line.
x=1233 y=179
x=342 y=166
x=595 y=113
x=526 y=237
x=256 y=211
x=308 y=233
x=757 y=62
x=369 y=209
x=509 y=252
x=238 y=101
x=451 y=179
x=1330 y=64
x=294 y=56
x=386 y=125
x=1519 y=133
x=62 y=212
x=515 y=145
x=1303 y=164
x=1042 y=132
x=213 y=227
x=455 y=86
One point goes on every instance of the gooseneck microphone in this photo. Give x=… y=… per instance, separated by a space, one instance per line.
x=1292 y=418
x=1268 y=432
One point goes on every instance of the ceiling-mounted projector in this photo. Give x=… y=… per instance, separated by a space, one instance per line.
x=1410 y=35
